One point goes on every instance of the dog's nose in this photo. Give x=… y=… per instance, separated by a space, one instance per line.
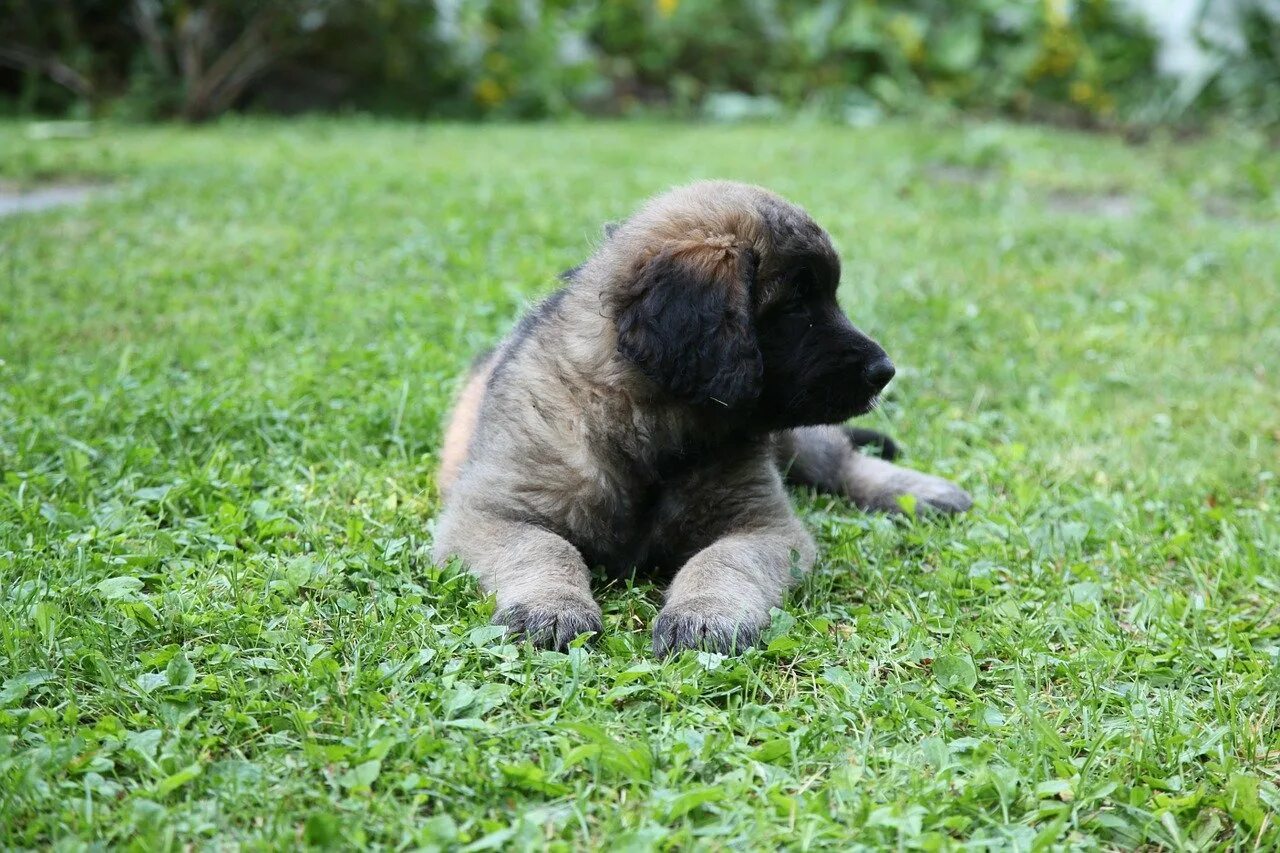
x=879 y=372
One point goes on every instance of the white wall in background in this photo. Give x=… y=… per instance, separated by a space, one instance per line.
x=1174 y=23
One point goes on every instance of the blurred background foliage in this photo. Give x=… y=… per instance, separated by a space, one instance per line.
x=1089 y=62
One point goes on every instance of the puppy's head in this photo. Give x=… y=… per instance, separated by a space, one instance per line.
x=724 y=294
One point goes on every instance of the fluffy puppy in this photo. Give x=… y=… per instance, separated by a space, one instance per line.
x=645 y=415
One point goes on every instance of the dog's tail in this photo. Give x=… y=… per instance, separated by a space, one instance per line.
x=868 y=440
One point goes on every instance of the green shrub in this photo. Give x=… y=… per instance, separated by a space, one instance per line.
x=853 y=60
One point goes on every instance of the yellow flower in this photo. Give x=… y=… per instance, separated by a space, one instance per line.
x=667 y=7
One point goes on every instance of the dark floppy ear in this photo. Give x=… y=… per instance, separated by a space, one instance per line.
x=686 y=322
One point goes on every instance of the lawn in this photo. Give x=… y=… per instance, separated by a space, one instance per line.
x=222 y=386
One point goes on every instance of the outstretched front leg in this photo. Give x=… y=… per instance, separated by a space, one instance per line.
x=757 y=549
x=825 y=458
x=542 y=585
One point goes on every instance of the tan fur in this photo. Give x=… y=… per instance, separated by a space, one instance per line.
x=462 y=424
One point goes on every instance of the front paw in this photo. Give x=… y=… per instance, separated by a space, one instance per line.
x=551 y=622
x=706 y=625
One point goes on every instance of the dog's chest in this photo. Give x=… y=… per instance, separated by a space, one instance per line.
x=637 y=514
x=631 y=531
x=624 y=487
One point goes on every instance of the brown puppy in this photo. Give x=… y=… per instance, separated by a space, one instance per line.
x=643 y=417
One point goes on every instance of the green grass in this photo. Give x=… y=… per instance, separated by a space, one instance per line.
x=221 y=397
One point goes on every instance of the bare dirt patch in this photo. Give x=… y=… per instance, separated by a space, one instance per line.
x=957 y=175
x=16 y=199
x=1109 y=204
x=1234 y=211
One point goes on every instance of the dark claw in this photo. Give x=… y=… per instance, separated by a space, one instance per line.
x=705 y=630
x=551 y=625
x=954 y=500
x=959 y=501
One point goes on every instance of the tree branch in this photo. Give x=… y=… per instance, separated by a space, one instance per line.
x=27 y=59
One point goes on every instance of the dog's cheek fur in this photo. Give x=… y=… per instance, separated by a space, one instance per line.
x=686 y=323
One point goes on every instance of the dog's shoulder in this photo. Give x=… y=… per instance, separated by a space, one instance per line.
x=526 y=331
